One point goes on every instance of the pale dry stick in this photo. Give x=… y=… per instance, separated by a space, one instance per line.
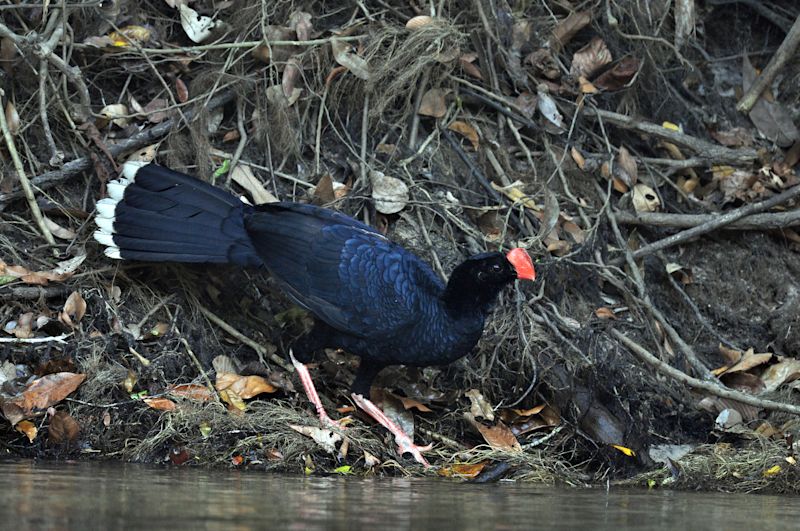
x=767 y=221
x=318 y=136
x=56 y=156
x=28 y=340
x=714 y=224
x=708 y=386
x=364 y=136
x=233 y=45
x=785 y=52
x=644 y=298
x=412 y=135
x=260 y=350
x=200 y=368
x=708 y=152
x=144 y=138
x=23 y=178
x=237 y=154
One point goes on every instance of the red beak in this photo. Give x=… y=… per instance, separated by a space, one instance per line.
x=522 y=262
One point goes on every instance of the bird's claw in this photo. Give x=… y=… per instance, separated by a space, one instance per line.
x=405 y=445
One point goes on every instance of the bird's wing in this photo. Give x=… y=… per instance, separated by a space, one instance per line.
x=345 y=272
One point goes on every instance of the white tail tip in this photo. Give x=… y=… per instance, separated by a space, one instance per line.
x=130 y=168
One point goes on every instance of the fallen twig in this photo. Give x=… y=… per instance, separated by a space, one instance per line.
x=714 y=389
x=768 y=221
x=144 y=138
x=785 y=52
x=713 y=224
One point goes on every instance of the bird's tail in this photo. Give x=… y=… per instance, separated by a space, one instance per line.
x=159 y=215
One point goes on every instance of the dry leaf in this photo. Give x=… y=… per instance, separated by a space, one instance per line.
x=547 y=106
x=300 y=22
x=198 y=28
x=58 y=231
x=750 y=360
x=40 y=395
x=244 y=386
x=62 y=428
x=618 y=76
x=181 y=90
x=605 y=313
x=579 y=159
x=12 y=118
x=466 y=130
x=129 y=35
x=409 y=403
x=73 y=311
x=772 y=119
x=590 y=58
x=469 y=67
x=243 y=175
x=568 y=28
x=327 y=439
x=197 y=392
x=390 y=194
x=28 y=429
x=479 y=406
x=116 y=113
x=434 y=103
x=785 y=371
x=645 y=199
x=462 y=470
x=625 y=168
x=345 y=55
x=499 y=437
x=415 y=23
x=160 y=403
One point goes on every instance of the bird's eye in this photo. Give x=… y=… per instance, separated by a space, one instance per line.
x=496 y=268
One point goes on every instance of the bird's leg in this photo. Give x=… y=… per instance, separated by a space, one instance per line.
x=404 y=443
x=311 y=393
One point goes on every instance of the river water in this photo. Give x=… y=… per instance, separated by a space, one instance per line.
x=82 y=496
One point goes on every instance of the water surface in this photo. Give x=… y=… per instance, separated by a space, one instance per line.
x=110 y=496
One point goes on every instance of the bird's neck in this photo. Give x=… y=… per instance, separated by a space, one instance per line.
x=462 y=296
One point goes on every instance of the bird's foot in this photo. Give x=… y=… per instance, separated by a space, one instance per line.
x=313 y=397
x=404 y=443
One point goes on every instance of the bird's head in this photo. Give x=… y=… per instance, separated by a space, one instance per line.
x=478 y=279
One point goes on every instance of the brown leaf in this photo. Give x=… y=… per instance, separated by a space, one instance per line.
x=12 y=118
x=41 y=394
x=750 y=360
x=409 y=403
x=181 y=90
x=62 y=428
x=743 y=381
x=74 y=310
x=499 y=436
x=466 y=130
x=568 y=28
x=462 y=470
x=63 y=271
x=300 y=22
x=160 y=403
x=625 y=168
x=393 y=408
x=772 y=119
x=197 y=392
x=619 y=75
x=156 y=110
x=605 y=313
x=28 y=429
x=433 y=103
x=244 y=386
x=467 y=62
x=590 y=58
x=323 y=192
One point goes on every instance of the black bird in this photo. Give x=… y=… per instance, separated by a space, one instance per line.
x=371 y=297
